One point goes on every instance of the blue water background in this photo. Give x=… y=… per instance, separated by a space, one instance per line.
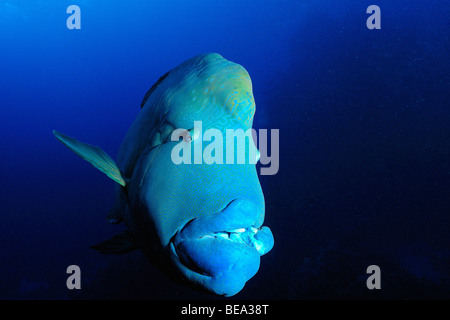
x=364 y=124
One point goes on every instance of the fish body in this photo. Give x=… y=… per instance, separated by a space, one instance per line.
x=204 y=220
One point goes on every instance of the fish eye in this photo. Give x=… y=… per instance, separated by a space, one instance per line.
x=190 y=135
x=187 y=136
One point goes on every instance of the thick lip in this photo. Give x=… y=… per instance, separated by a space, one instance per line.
x=238 y=224
x=237 y=214
x=191 y=267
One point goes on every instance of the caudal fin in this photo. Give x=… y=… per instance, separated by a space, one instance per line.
x=94 y=155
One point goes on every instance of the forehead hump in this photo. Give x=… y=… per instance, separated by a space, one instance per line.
x=211 y=86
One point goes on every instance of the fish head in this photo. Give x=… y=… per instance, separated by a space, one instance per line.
x=207 y=213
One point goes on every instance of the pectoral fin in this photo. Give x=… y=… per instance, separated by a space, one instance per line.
x=94 y=155
x=121 y=243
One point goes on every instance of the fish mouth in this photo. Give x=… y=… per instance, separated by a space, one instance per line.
x=221 y=251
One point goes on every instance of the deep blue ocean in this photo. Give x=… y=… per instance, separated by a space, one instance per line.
x=363 y=117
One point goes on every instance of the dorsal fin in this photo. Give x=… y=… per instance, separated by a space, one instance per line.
x=153 y=88
x=94 y=155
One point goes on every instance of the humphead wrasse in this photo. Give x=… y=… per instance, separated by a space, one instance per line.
x=203 y=220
